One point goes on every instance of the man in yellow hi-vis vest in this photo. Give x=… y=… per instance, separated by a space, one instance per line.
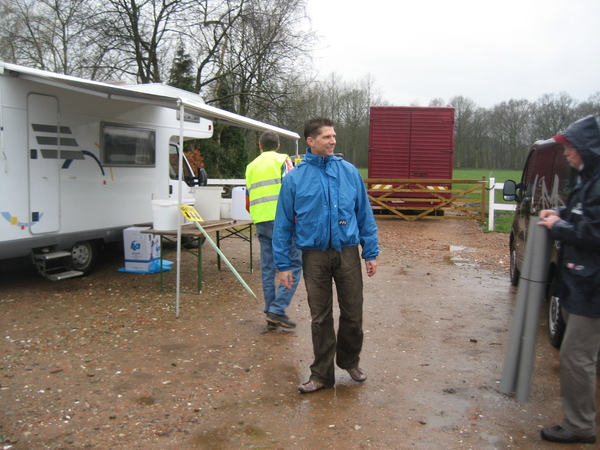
x=263 y=179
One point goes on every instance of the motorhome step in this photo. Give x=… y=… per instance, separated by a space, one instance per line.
x=64 y=275
x=52 y=255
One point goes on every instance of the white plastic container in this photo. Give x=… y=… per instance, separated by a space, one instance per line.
x=225 y=208
x=208 y=201
x=165 y=212
x=238 y=204
x=141 y=249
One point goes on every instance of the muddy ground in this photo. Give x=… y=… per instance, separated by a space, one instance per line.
x=102 y=362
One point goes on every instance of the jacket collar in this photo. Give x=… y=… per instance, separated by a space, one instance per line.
x=311 y=158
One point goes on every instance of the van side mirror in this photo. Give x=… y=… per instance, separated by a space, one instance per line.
x=509 y=191
x=202 y=178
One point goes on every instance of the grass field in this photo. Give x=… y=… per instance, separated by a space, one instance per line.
x=503 y=219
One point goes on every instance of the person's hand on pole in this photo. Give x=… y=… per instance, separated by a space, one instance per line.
x=548 y=217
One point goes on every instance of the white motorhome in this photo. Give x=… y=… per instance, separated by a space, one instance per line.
x=82 y=160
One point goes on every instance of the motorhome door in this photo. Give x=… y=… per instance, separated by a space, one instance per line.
x=44 y=163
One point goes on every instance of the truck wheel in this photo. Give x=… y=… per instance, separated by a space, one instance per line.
x=83 y=256
x=556 y=323
x=515 y=274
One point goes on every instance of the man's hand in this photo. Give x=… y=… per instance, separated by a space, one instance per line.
x=371 y=267
x=548 y=218
x=286 y=278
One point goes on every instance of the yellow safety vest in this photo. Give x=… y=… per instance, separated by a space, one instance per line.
x=263 y=179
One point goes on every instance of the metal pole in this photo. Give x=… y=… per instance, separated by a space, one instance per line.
x=179 y=217
x=520 y=355
x=539 y=239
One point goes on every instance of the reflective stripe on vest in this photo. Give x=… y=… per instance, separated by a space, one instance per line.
x=265 y=183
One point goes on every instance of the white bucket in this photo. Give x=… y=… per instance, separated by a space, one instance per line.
x=208 y=201
x=238 y=204
x=165 y=212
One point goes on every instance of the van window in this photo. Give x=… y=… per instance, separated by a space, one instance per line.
x=529 y=176
x=123 y=145
x=174 y=165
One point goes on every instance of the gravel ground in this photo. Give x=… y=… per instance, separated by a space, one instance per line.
x=102 y=362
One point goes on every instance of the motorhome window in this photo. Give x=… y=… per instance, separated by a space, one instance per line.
x=128 y=146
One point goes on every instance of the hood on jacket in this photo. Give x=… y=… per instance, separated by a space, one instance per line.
x=585 y=137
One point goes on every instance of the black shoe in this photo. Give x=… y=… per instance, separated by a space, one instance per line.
x=271 y=326
x=281 y=320
x=559 y=434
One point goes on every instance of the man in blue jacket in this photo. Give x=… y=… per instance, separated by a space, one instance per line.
x=324 y=202
x=577 y=227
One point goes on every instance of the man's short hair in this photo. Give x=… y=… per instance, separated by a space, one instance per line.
x=313 y=126
x=269 y=140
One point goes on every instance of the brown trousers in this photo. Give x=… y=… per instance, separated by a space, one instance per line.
x=321 y=269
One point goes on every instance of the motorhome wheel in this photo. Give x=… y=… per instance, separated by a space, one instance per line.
x=83 y=256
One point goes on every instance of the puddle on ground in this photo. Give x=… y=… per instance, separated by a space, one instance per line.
x=146 y=401
x=458 y=260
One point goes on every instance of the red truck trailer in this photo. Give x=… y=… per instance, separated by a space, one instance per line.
x=412 y=142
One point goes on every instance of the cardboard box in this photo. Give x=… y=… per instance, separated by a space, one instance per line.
x=141 y=249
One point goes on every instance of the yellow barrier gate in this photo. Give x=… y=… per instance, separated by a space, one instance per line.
x=428 y=199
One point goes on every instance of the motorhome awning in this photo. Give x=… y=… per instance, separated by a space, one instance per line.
x=156 y=94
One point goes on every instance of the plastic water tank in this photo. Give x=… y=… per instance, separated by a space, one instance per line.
x=238 y=204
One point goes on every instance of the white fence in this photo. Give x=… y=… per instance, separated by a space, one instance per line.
x=493 y=206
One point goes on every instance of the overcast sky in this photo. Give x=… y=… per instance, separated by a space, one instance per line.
x=488 y=51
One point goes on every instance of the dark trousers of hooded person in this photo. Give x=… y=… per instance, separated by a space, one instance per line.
x=320 y=268
x=578 y=361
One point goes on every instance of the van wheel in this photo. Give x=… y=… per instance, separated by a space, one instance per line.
x=515 y=274
x=83 y=256
x=556 y=323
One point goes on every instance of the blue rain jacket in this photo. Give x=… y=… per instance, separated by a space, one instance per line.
x=323 y=200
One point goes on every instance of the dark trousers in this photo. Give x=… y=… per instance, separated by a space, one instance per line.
x=578 y=359
x=320 y=269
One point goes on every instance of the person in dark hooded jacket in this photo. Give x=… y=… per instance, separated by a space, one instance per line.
x=577 y=227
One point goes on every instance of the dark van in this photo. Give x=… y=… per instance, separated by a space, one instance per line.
x=545 y=184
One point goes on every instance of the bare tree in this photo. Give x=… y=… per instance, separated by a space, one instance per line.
x=145 y=33
x=590 y=106
x=264 y=53
x=510 y=131
x=57 y=35
x=553 y=113
x=465 y=132
x=437 y=102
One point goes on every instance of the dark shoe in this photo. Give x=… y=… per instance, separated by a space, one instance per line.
x=559 y=434
x=311 y=386
x=281 y=320
x=357 y=374
x=271 y=326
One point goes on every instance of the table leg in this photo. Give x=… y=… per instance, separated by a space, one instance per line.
x=162 y=246
x=199 y=265
x=219 y=247
x=250 y=237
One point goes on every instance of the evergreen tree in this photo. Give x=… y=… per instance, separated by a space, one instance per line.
x=225 y=155
x=181 y=74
